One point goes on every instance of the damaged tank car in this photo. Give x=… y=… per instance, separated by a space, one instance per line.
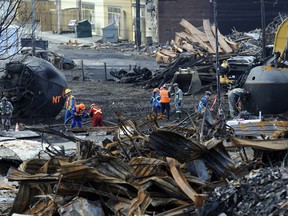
x=268 y=84
x=34 y=86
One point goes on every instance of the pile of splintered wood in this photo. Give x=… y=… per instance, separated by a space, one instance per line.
x=195 y=41
x=147 y=169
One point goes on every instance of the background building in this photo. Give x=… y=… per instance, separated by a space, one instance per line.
x=243 y=15
x=159 y=18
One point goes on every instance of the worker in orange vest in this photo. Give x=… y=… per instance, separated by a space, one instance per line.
x=96 y=113
x=165 y=101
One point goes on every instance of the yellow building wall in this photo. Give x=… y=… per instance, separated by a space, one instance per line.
x=65 y=4
x=99 y=17
x=126 y=30
x=46 y=13
x=67 y=15
x=69 y=11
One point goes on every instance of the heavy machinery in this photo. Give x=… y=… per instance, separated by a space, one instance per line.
x=34 y=86
x=235 y=67
x=268 y=83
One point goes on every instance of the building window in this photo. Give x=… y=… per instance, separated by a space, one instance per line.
x=89 y=13
x=114 y=10
x=114 y=15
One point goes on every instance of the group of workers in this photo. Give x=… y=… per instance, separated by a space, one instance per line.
x=236 y=97
x=160 y=101
x=76 y=112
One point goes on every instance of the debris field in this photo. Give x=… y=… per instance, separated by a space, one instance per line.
x=139 y=163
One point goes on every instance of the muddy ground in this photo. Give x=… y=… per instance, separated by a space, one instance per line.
x=130 y=99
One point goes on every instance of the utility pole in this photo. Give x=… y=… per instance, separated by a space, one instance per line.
x=138 y=32
x=59 y=16
x=33 y=28
x=263 y=29
x=217 y=52
x=80 y=9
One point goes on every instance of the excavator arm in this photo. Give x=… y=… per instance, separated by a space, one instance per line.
x=281 y=40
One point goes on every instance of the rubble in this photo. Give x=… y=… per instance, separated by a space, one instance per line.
x=146 y=166
x=144 y=171
x=195 y=49
x=262 y=192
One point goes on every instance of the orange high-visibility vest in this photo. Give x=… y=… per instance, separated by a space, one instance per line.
x=164 y=96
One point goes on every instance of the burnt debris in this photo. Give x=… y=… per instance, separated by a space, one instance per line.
x=35 y=88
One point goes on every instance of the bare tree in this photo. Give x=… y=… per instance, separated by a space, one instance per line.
x=13 y=26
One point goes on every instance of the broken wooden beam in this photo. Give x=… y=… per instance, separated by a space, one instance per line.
x=221 y=40
x=198 y=199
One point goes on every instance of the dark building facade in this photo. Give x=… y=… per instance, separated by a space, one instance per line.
x=243 y=15
x=171 y=12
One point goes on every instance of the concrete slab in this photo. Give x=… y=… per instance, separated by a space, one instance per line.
x=2 y=139
x=67 y=145
x=23 y=134
x=25 y=149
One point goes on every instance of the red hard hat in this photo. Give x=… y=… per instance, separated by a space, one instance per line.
x=82 y=106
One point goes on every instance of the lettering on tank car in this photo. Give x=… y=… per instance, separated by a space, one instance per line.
x=56 y=99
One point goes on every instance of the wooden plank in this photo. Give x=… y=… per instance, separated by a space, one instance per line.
x=178 y=39
x=232 y=44
x=160 y=58
x=188 y=47
x=169 y=53
x=178 y=48
x=197 y=35
x=243 y=38
x=5 y=186
x=196 y=43
x=193 y=30
x=198 y=199
x=224 y=45
x=186 y=36
x=209 y=34
x=268 y=145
